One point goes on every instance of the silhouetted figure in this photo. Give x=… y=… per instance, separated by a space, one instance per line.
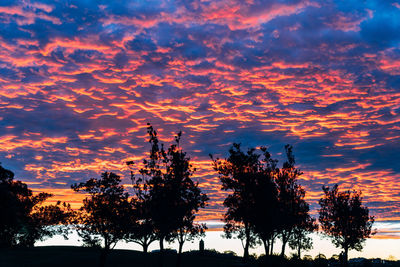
x=344 y=218
x=201 y=246
x=342 y=259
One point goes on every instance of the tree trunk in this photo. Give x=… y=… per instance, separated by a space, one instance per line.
x=145 y=247
x=161 y=244
x=266 y=246
x=103 y=257
x=298 y=252
x=246 y=250
x=178 y=259
x=161 y=257
x=346 y=256
x=283 y=248
x=285 y=238
x=272 y=246
x=180 y=247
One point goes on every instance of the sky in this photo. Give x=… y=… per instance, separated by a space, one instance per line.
x=79 y=80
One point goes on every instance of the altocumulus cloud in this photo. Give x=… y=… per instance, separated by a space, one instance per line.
x=80 y=79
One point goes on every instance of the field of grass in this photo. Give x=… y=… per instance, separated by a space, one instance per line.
x=60 y=256
x=63 y=256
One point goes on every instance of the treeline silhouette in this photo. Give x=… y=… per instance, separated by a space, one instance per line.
x=265 y=203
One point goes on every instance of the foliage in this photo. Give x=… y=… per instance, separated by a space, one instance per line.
x=48 y=221
x=166 y=195
x=265 y=201
x=293 y=209
x=141 y=230
x=300 y=239
x=343 y=217
x=25 y=219
x=237 y=175
x=265 y=206
x=105 y=213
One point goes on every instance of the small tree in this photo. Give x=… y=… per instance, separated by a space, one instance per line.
x=293 y=209
x=25 y=219
x=300 y=239
x=237 y=174
x=265 y=206
x=188 y=231
x=190 y=198
x=168 y=193
x=104 y=214
x=343 y=218
x=141 y=230
x=46 y=221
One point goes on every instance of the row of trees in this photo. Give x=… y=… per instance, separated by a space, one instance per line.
x=163 y=206
x=264 y=203
x=267 y=202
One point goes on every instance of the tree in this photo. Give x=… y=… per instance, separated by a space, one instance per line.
x=104 y=214
x=293 y=209
x=237 y=175
x=25 y=219
x=46 y=221
x=343 y=218
x=189 y=196
x=265 y=203
x=300 y=239
x=166 y=190
x=141 y=230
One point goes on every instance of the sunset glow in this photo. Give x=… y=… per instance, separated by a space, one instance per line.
x=79 y=80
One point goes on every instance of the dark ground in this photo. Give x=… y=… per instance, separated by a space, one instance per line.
x=60 y=256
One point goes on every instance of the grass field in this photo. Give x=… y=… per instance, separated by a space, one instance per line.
x=63 y=256
x=60 y=256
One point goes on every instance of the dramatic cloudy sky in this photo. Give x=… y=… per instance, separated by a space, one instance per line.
x=79 y=80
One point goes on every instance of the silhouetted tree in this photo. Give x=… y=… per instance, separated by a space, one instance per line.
x=24 y=218
x=265 y=202
x=189 y=196
x=168 y=192
x=293 y=209
x=141 y=230
x=105 y=214
x=343 y=217
x=189 y=231
x=46 y=221
x=237 y=174
x=15 y=201
x=300 y=239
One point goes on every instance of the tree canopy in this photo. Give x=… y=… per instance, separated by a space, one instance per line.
x=105 y=213
x=264 y=201
x=24 y=219
x=167 y=194
x=343 y=218
x=237 y=175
